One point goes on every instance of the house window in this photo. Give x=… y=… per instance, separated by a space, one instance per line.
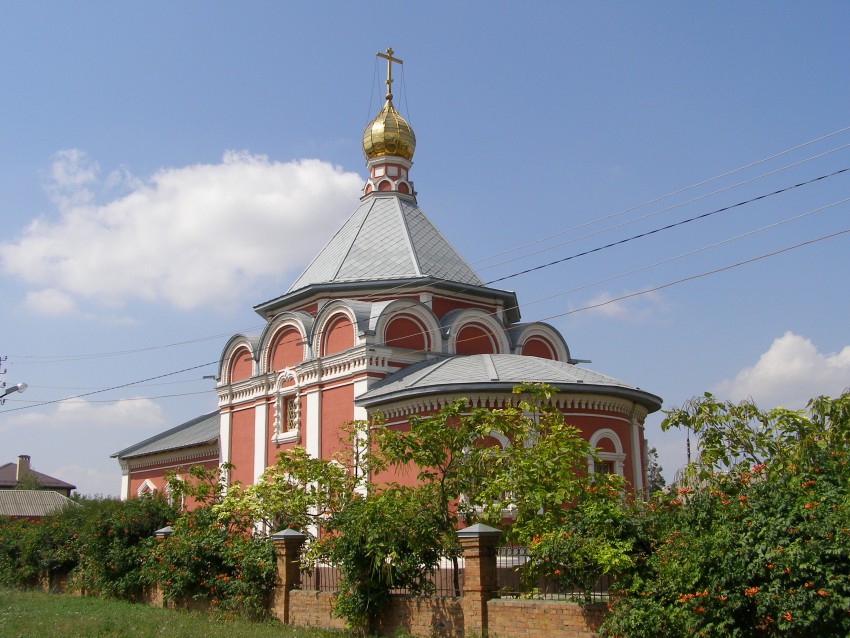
x=287 y=418
x=603 y=467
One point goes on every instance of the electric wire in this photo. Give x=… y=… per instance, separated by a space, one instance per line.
x=662 y=210
x=667 y=227
x=547 y=318
x=663 y=197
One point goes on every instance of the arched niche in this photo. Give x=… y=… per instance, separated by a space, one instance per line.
x=408 y=324
x=474 y=331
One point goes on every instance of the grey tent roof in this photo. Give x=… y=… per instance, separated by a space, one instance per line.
x=202 y=429
x=32 y=503
x=488 y=372
x=386 y=238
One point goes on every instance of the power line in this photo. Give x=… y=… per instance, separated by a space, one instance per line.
x=699 y=276
x=554 y=316
x=662 y=210
x=668 y=195
x=115 y=387
x=667 y=227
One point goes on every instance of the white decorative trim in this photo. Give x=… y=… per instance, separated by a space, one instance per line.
x=313 y=426
x=279 y=324
x=287 y=408
x=617 y=457
x=260 y=441
x=224 y=441
x=328 y=315
x=520 y=335
x=226 y=362
x=562 y=401
x=147 y=487
x=125 y=479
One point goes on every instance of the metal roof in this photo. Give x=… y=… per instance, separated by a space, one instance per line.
x=387 y=237
x=202 y=429
x=32 y=503
x=483 y=372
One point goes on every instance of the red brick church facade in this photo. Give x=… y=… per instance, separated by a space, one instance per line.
x=388 y=317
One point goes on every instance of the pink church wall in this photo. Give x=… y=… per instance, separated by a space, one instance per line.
x=240 y=365
x=337 y=410
x=242 y=445
x=287 y=350
x=338 y=337
x=403 y=332
x=538 y=347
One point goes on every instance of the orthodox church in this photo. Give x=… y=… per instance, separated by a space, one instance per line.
x=387 y=318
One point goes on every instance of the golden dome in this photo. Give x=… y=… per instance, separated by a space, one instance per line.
x=389 y=134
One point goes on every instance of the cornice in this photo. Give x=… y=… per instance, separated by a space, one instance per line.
x=497 y=400
x=174 y=456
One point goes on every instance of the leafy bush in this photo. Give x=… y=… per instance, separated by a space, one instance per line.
x=756 y=550
x=203 y=560
x=389 y=540
x=112 y=539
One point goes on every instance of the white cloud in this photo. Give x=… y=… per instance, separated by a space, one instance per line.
x=193 y=236
x=50 y=302
x=791 y=372
x=123 y=415
x=635 y=309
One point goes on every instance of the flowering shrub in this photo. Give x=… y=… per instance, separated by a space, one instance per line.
x=98 y=543
x=757 y=550
x=111 y=538
x=203 y=560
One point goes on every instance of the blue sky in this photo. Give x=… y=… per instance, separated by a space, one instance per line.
x=166 y=166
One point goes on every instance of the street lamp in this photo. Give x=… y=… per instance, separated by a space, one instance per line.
x=20 y=387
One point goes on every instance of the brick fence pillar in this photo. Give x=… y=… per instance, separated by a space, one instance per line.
x=287 y=549
x=479 y=575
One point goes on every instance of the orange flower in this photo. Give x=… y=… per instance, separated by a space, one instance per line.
x=787 y=616
x=821 y=592
x=751 y=591
x=769 y=566
x=807 y=585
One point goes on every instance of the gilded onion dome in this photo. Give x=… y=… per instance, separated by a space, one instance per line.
x=389 y=134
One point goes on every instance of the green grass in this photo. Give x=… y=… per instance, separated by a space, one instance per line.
x=25 y=614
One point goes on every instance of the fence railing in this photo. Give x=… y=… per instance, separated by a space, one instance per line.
x=519 y=577
x=325 y=577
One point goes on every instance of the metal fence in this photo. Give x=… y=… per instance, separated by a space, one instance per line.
x=518 y=577
x=325 y=577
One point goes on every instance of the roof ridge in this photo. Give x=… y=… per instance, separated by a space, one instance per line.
x=414 y=256
x=353 y=239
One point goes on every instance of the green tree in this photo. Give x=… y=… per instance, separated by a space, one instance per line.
x=654 y=477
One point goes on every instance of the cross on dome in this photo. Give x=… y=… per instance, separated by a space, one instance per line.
x=388 y=56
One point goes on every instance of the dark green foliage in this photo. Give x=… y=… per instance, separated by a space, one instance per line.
x=204 y=560
x=112 y=538
x=759 y=550
x=98 y=544
x=389 y=540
